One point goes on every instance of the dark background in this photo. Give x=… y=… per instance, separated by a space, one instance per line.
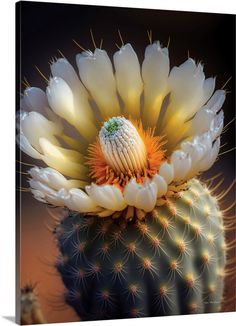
x=43 y=28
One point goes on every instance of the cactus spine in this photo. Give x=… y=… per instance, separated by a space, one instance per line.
x=170 y=263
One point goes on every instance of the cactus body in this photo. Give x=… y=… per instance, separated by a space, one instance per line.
x=170 y=263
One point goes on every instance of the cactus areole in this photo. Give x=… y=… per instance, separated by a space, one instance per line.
x=142 y=235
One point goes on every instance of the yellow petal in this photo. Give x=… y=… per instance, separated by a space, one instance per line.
x=65 y=161
x=34 y=125
x=96 y=73
x=128 y=79
x=155 y=70
x=63 y=103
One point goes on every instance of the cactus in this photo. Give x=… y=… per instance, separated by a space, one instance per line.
x=143 y=236
x=31 y=312
x=169 y=262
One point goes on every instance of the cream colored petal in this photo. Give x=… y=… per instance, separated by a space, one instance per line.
x=63 y=69
x=54 y=179
x=61 y=100
x=161 y=185
x=23 y=106
x=38 y=195
x=217 y=125
x=26 y=147
x=109 y=197
x=38 y=185
x=203 y=119
x=216 y=101
x=57 y=199
x=196 y=149
x=142 y=196
x=167 y=172
x=56 y=158
x=79 y=201
x=35 y=99
x=96 y=72
x=128 y=79
x=48 y=176
x=20 y=115
x=181 y=163
x=130 y=192
x=201 y=122
x=155 y=70
x=208 y=89
x=211 y=156
x=146 y=197
x=186 y=87
x=35 y=125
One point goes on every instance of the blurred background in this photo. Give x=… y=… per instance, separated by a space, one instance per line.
x=45 y=28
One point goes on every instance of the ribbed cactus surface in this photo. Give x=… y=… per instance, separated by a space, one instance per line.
x=172 y=262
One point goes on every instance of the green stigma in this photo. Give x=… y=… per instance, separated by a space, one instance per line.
x=111 y=126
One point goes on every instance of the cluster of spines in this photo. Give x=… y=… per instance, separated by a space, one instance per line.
x=171 y=263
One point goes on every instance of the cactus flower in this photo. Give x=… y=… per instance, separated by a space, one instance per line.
x=120 y=136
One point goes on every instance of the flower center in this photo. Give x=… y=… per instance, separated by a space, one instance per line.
x=124 y=150
x=122 y=146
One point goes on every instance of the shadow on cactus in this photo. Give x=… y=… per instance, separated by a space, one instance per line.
x=124 y=146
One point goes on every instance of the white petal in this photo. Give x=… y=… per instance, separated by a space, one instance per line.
x=208 y=89
x=61 y=100
x=97 y=75
x=202 y=121
x=142 y=196
x=195 y=148
x=155 y=70
x=211 y=156
x=39 y=195
x=54 y=179
x=109 y=197
x=217 y=125
x=37 y=185
x=57 y=199
x=26 y=147
x=205 y=139
x=161 y=185
x=35 y=125
x=23 y=106
x=35 y=99
x=63 y=69
x=79 y=201
x=130 y=192
x=186 y=84
x=128 y=78
x=56 y=158
x=146 y=197
x=186 y=87
x=20 y=116
x=181 y=164
x=216 y=101
x=49 y=176
x=167 y=172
